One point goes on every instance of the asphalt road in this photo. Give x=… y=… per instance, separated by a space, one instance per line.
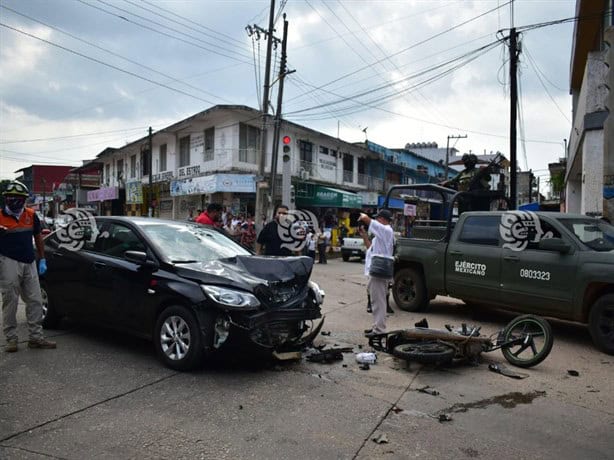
x=103 y=395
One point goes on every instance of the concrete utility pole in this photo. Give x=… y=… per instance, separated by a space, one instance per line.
x=514 y=52
x=150 y=160
x=448 y=151
x=261 y=185
x=277 y=127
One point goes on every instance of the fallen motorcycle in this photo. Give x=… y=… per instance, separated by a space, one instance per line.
x=525 y=342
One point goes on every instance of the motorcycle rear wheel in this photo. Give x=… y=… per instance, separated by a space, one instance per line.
x=425 y=352
x=537 y=340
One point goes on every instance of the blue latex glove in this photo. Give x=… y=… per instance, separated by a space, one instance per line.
x=42 y=266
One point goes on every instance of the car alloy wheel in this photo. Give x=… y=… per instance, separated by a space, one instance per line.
x=175 y=338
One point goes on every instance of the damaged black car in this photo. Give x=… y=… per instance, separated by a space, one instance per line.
x=188 y=287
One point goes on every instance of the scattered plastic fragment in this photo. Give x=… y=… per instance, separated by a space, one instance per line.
x=428 y=390
x=381 y=439
x=573 y=373
x=501 y=369
x=366 y=358
x=445 y=418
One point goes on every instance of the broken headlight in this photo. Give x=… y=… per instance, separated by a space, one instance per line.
x=231 y=298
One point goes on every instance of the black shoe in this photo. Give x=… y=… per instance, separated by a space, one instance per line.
x=368 y=331
x=369 y=310
x=390 y=310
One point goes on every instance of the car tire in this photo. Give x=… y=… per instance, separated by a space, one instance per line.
x=51 y=318
x=601 y=323
x=409 y=290
x=345 y=257
x=178 y=338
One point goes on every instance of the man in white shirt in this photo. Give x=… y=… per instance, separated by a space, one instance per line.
x=382 y=244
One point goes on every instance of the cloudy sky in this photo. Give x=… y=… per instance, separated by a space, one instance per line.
x=80 y=75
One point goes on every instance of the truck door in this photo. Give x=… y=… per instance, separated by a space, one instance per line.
x=537 y=280
x=473 y=260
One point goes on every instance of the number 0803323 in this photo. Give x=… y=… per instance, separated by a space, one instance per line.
x=534 y=274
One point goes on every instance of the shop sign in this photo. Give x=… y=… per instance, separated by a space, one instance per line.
x=103 y=194
x=188 y=171
x=163 y=176
x=134 y=192
x=235 y=183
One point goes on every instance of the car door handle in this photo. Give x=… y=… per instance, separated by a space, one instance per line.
x=456 y=253
x=99 y=265
x=511 y=258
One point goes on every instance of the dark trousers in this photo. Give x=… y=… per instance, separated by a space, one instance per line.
x=312 y=254
x=322 y=251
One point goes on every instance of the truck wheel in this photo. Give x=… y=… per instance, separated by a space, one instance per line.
x=601 y=323
x=409 y=291
x=345 y=257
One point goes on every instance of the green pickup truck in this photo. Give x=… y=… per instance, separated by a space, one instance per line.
x=551 y=264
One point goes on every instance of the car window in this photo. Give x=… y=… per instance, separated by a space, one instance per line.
x=596 y=234
x=182 y=242
x=480 y=230
x=115 y=239
x=547 y=231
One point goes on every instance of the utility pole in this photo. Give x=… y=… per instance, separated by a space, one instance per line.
x=261 y=203
x=150 y=161
x=448 y=151
x=277 y=127
x=530 y=186
x=513 y=115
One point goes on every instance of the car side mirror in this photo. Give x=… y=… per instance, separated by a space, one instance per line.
x=140 y=258
x=555 y=244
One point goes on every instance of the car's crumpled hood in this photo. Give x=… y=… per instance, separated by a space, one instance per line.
x=248 y=272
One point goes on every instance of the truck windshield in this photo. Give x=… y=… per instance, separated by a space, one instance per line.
x=596 y=234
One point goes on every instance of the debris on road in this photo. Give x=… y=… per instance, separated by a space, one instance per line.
x=328 y=356
x=366 y=358
x=287 y=355
x=325 y=332
x=428 y=390
x=445 y=418
x=501 y=369
x=381 y=439
x=364 y=367
x=573 y=373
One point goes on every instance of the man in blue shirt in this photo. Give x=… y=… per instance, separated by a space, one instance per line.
x=18 y=273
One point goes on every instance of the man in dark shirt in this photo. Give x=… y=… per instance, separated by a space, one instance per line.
x=269 y=236
x=18 y=271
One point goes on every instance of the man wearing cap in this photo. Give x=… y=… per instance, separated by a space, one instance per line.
x=382 y=245
x=18 y=273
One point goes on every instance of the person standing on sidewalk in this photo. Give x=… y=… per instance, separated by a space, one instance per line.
x=381 y=245
x=269 y=242
x=18 y=273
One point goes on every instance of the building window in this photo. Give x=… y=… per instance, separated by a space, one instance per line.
x=133 y=166
x=107 y=174
x=209 y=143
x=184 y=151
x=324 y=150
x=249 y=142
x=120 y=170
x=306 y=151
x=348 y=162
x=145 y=161
x=162 y=164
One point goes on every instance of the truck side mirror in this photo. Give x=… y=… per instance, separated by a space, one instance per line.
x=555 y=244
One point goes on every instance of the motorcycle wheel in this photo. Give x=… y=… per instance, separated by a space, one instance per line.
x=537 y=340
x=425 y=352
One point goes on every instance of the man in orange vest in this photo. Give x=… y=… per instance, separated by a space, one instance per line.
x=18 y=273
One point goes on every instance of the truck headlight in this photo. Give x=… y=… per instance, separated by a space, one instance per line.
x=231 y=298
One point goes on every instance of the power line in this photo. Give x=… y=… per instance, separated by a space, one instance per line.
x=19 y=141
x=171 y=78
x=106 y=64
x=354 y=72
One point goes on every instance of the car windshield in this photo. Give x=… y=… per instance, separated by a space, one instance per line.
x=186 y=243
x=596 y=234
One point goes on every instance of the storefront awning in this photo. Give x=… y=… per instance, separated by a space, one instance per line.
x=320 y=196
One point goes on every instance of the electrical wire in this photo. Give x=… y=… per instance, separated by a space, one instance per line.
x=426 y=40
x=21 y=141
x=171 y=78
x=106 y=64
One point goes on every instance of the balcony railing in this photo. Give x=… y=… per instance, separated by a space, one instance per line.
x=348 y=176
x=363 y=179
x=308 y=167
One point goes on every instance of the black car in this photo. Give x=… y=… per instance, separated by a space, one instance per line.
x=187 y=286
